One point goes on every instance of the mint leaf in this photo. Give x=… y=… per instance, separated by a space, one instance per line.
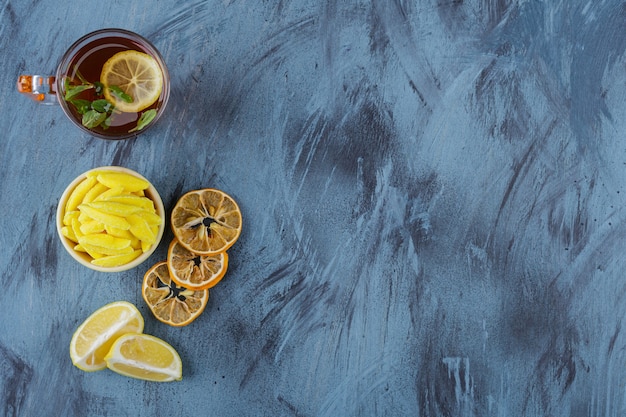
x=74 y=90
x=82 y=106
x=99 y=112
x=144 y=120
x=99 y=88
x=119 y=93
x=102 y=106
x=93 y=118
x=106 y=123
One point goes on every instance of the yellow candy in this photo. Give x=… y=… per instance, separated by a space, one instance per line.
x=95 y=191
x=93 y=252
x=141 y=229
x=134 y=200
x=110 y=193
x=145 y=246
x=78 y=194
x=104 y=240
x=76 y=228
x=68 y=216
x=79 y=248
x=105 y=218
x=69 y=233
x=126 y=234
x=115 y=208
x=116 y=260
x=151 y=218
x=130 y=183
x=91 y=226
x=137 y=244
x=102 y=251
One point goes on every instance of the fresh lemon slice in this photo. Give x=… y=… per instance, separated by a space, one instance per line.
x=137 y=74
x=95 y=336
x=145 y=357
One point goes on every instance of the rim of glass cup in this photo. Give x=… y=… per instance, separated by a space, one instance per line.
x=62 y=69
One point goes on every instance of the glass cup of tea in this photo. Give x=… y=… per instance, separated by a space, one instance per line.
x=111 y=83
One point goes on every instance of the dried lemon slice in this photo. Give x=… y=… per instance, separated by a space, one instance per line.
x=192 y=271
x=171 y=303
x=206 y=221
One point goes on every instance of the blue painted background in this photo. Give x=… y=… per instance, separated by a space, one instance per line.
x=433 y=198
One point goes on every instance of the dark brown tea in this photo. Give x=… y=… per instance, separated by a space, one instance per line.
x=98 y=105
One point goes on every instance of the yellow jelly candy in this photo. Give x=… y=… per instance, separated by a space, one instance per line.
x=151 y=218
x=95 y=191
x=78 y=194
x=105 y=218
x=116 y=179
x=141 y=229
x=115 y=208
x=110 y=193
x=91 y=226
x=116 y=260
x=133 y=200
x=104 y=240
x=69 y=233
x=68 y=216
x=101 y=250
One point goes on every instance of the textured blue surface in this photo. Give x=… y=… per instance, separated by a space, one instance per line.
x=433 y=195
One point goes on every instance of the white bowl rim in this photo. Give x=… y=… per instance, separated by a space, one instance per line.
x=152 y=193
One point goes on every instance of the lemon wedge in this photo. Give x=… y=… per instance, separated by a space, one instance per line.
x=145 y=357
x=93 y=339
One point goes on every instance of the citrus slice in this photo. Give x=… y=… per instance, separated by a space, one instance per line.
x=95 y=336
x=144 y=357
x=206 y=221
x=195 y=272
x=171 y=303
x=137 y=74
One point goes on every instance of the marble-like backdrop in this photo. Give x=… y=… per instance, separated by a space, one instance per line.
x=432 y=195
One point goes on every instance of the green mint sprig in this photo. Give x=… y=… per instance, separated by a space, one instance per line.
x=144 y=120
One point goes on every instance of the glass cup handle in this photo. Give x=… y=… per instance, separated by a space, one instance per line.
x=38 y=87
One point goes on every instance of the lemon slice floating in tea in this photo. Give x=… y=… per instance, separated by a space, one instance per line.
x=137 y=74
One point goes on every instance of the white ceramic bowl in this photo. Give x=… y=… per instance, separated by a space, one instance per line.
x=85 y=259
